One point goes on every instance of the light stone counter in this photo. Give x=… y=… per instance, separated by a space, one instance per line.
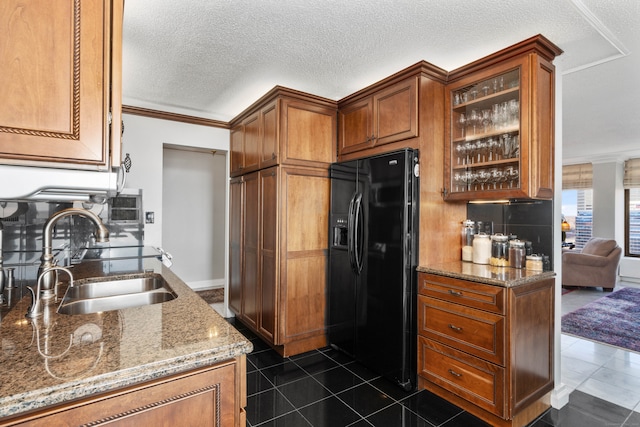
x=499 y=276
x=58 y=358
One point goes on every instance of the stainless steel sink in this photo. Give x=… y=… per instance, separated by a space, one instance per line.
x=107 y=295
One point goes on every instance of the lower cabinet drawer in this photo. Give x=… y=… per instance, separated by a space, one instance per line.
x=476 y=332
x=471 y=378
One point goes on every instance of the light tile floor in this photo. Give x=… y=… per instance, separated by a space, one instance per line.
x=603 y=371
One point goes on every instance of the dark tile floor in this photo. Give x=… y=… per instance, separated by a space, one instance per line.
x=326 y=388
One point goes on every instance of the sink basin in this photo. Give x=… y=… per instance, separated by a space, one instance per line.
x=107 y=295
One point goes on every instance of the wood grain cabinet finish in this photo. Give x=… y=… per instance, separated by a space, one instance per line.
x=279 y=219
x=283 y=127
x=278 y=255
x=387 y=116
x=486 y=348
x=500 y=125
x=60 y=83
x=214 y=396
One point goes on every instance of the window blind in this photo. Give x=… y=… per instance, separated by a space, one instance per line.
x=575 y=177
x=632 y=173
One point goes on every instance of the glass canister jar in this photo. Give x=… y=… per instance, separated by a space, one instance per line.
x=481 y=248
x=534 y=262
x=468 y=231
x=499 y=250
x=517 y=254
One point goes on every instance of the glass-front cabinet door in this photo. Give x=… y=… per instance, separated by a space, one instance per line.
x=499 y=136
x=485 y=136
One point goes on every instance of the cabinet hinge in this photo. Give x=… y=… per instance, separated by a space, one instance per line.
x=109 y=118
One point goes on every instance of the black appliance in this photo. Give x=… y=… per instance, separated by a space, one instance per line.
x=372 y=261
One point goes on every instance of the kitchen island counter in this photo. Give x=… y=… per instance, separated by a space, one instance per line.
x=56 y=359
x=498 y=276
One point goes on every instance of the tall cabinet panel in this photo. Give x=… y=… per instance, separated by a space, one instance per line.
x=236 y=226
x=250 y=244
x=269 y=252
x=60 y=82
x=279 y=292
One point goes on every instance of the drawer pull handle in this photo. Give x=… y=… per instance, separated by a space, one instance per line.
x=455 y=328
x=455 y=293
x=454 y=373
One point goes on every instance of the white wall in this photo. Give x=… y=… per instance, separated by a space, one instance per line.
x=608 y=210
x=143 y=139
x=194 y=214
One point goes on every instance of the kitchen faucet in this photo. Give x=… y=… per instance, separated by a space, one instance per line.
x=47 y=260
x=35 y=309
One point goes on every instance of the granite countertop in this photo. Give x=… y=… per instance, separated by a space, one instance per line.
x=498 y=276
x=57 y=358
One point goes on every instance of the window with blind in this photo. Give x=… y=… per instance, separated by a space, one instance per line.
x=632 y=207
x=577 y=203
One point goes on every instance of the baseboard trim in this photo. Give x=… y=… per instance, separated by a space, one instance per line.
x=560 y=396
x=206 y=284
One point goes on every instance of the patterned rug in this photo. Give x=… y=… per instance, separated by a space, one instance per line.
x=613 y=319
x=212 y=296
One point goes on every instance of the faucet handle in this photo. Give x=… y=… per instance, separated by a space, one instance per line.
x=35 y=309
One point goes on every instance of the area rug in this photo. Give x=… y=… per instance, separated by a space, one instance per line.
x=613 y=319
x=212 y=296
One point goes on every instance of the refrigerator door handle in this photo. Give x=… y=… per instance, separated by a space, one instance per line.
x=350 y=232
x=357 y=234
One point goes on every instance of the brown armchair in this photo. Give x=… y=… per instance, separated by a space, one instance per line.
x=595 y=266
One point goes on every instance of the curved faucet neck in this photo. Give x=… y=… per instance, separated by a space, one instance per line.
x=102 y=233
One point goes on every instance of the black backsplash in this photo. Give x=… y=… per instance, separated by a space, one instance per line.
x=530 y=220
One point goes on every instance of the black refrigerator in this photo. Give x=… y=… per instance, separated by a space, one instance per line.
x=372 y=263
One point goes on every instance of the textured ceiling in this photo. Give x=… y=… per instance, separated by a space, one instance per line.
x=213 y=58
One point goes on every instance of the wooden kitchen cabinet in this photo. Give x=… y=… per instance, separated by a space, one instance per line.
x=279 y=223
x=500 y=125
x=387 y=116
x=281 y=148
x=283 y=127
x=487 y=348
x=255 y=136
x=60 y=83
x=213 y=396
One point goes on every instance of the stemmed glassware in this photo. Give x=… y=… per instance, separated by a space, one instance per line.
x=493 y=147
x=462 y=124
x=496 y=176
x=514 y=112
x=483 y=177
x=486 y=119
x=506 y=146
x=512 y=174
x=474 y=119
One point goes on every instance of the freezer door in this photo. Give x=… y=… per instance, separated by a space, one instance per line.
x=342 y=281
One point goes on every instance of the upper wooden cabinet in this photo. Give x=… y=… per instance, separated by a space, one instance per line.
x=60 y=83
x=387 y=116
x=500 y=125
x=284 y=127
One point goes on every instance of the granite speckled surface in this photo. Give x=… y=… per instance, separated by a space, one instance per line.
x=56 y=358
x=498 y=276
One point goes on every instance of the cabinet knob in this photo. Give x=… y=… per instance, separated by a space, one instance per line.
x=273 y=155
x=454 y=373
x=455 y=328
x=455 y=293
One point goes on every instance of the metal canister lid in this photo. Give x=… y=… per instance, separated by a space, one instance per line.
x=516 y=243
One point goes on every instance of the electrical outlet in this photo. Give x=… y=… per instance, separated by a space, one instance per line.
x=149 y=217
